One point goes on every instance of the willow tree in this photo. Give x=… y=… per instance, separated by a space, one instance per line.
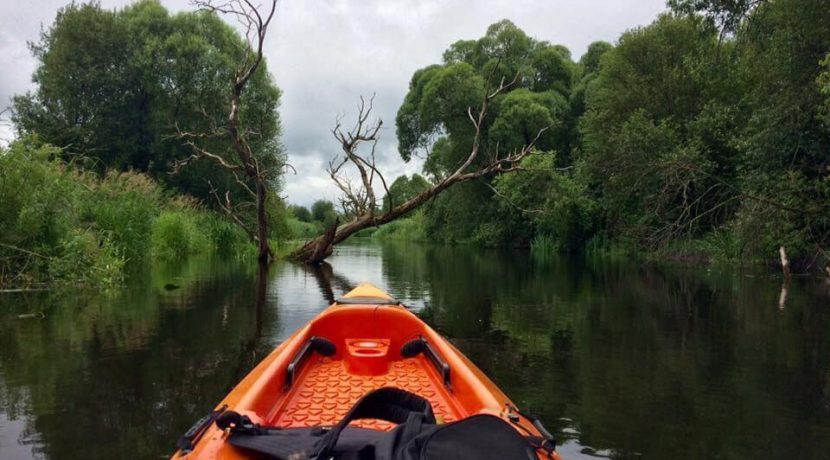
x=492 y=103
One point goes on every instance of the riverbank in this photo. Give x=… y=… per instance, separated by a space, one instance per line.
x=61 y=225
x=717 y=249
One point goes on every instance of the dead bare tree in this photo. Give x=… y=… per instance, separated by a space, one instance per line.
x=240 y=159
x=359 y=197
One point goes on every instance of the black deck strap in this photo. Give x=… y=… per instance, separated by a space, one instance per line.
x=420 y=345
x=390 y=404
x=319 y=344
x=480 y=437
x=187 y=440
x=548 y=439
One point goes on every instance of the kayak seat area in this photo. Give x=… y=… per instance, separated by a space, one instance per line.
x=327 y=389
x=368 y=354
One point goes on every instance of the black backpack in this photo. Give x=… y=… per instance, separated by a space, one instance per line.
x=417 y=436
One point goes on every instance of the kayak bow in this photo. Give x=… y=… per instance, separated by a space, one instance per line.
x=364 y=341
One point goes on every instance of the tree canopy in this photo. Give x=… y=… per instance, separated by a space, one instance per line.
x=114 y=87
x=707 y=129
x=433 y=120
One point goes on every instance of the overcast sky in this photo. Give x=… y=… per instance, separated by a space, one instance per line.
x=324 y=54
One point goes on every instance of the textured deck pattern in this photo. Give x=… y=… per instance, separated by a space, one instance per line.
x=325 y=392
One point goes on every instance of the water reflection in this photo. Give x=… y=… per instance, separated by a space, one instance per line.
x=634 y=363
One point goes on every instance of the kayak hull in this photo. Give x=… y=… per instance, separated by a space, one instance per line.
x=292 y=387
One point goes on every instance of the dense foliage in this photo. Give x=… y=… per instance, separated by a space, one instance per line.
x=706 y=131
x=93 y=181
x=59 y=223
x=116 y=87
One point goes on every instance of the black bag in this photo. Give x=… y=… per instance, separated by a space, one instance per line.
x=417 y=436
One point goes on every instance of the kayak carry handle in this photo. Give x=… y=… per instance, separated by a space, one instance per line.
x=319 y=344
x=420 y=345
x=192 y=436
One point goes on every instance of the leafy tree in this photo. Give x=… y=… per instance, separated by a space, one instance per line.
x=322 y=211
x=404 y=188
x=434 y=119
x=785 y=158
x=657 y=132
x=114 y=86
x=551 y=203
x=300 y=212
x=590 y=61
x=726 y=15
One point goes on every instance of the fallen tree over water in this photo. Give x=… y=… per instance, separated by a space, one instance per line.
x=359 y=199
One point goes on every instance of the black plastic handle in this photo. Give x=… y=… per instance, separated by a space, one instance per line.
x=323 y=346
x=192 y=436
x=439 y=363
x=420 y=345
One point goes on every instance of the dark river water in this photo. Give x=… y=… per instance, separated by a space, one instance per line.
x=620 y=361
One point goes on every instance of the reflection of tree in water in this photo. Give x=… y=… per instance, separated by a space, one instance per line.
x=664 y=364
x=128 y=375
x=327 y=279
x=644 y=361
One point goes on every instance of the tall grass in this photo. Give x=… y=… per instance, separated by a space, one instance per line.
x=544 y=246
x=410 y=228
x=61 y=225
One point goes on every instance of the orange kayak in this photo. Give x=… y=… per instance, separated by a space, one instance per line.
x=364 y=341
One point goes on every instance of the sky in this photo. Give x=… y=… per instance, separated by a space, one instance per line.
x=325 y=54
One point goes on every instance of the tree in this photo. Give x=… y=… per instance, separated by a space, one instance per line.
x=113 y=86
x=403 y=189
x=785 y=155
x=550 y=202
x=362 y=198
x=243 y=137
x=725 y=15
x=322 y=211
x=431 y=122
x=657 y=132
x=301 y=213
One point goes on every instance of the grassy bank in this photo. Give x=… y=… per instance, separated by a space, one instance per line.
x=61 y=225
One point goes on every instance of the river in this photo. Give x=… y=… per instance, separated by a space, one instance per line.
x=619 y=360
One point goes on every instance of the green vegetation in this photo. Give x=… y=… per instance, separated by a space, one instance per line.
x=410 y=228
x=94 y=182
x=703 y=135
x=115 y=88
x=304 y=223
x=62 y=224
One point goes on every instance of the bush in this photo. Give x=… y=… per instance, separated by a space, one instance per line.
x=82 y=259
x=410 y=228
x=301 y=230
x=61 y=225
x=122 y=208
x=544 y=245
x=225 y=237
x=175 y=234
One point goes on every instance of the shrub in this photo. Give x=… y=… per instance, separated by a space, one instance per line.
x=122 y=208
x=175 y=234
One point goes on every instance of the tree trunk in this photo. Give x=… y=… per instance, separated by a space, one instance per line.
x=317 y=249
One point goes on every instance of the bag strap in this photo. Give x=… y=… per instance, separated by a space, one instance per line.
x=390 y=404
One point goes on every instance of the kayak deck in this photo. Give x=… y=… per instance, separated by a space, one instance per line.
x=326 y=390
x=363 y=342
